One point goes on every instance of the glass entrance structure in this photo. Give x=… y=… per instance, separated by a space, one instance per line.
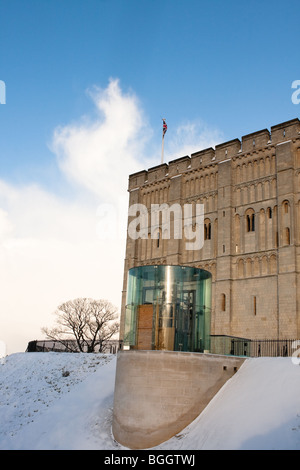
x=168 y=308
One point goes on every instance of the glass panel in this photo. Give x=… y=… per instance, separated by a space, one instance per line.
x=181 y=299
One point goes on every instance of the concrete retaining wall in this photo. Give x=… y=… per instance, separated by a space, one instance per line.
x=158 y=393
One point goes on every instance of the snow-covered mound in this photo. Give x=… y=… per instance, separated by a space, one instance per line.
x=257 y=409
x=64 y=401
x=56 y=401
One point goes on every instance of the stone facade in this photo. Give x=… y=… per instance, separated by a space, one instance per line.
x=250 y=189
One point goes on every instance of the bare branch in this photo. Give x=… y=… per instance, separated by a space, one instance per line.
x=91 y=322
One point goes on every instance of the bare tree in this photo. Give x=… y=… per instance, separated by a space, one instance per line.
x=84 y=324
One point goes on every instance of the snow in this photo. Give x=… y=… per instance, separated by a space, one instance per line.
x=63 y=401
x=56 y=401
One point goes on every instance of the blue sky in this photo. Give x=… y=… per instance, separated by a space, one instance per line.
x=88 y=80
x=229 y=64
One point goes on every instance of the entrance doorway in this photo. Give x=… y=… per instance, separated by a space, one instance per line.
x=185 y=322
x=145 y=316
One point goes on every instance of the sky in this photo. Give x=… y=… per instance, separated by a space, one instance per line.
x=87 y=83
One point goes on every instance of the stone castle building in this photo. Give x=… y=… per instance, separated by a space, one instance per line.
x=250 y=189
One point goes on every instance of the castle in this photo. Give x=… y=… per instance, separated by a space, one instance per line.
x=250 y=191
x=243 y=280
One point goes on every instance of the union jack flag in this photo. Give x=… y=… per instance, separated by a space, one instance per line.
x=165 y=127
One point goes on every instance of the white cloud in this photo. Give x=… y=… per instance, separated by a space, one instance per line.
x=190 y=137
x=53 y=248
x=99 y=155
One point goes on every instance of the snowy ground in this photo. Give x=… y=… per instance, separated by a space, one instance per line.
x=64 y=401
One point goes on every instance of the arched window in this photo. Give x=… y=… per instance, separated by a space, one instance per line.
x=207 y=229
x=285 y=207
x=269 y=212
x=250 y=220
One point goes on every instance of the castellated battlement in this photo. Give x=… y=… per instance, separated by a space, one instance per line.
x=250 y=143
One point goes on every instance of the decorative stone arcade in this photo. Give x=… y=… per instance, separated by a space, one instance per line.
x=168 y=308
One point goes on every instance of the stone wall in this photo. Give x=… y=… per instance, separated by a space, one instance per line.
x=158 y=393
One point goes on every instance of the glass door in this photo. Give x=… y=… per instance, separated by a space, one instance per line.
x=184 y=322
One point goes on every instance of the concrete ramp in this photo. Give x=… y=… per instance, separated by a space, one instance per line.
x=158 y=393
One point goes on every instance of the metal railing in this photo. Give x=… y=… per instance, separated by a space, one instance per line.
x=234 y=346
x=273 y=347
x=111 y=346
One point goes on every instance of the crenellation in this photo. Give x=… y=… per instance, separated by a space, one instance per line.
x=203 y=158
x=179 y=166
x=157 y=173
x=285 y=131
x=137 y=179
x=227 y=150
x=255 y=140
x=253 y=144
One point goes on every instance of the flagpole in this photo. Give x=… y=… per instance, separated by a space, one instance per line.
x=164 y=130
